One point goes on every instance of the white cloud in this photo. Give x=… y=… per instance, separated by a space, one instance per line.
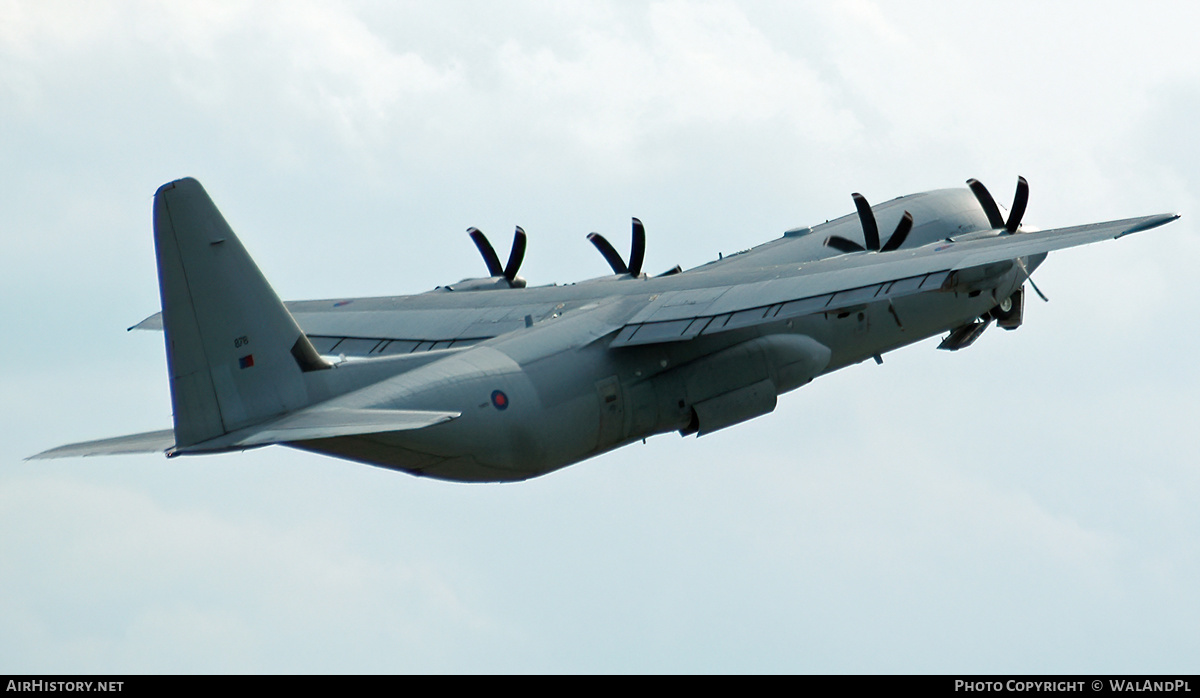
x=136 y=586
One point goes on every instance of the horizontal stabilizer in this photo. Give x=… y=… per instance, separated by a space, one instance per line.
x=149 y=442
x=306 y=425
x=322 y=423
x=154 y=322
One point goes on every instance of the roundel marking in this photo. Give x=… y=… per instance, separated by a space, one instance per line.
x=499 y=400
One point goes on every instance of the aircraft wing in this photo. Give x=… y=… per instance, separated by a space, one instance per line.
x=386 y=326
x=708 y=302
x=849 y=280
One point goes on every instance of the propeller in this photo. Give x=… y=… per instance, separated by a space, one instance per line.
x=1020 y=199
x=637 y=252
x=515 y=256
x=871 y=231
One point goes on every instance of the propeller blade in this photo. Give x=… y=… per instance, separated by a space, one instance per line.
x=637 y=252
x=901 y=232
x=485 y=249
x=870 y=228
x=610 y=255
x=987 y=202
x=1020 y=199
x=1029 y=278
x=841 y=244
x=1038 y=291
x=516 y=256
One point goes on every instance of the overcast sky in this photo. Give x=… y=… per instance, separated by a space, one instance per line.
x=1026 y=505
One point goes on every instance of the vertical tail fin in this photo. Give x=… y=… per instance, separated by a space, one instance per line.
x=236 y=357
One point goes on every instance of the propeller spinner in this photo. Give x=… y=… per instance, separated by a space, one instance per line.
x=515 y=256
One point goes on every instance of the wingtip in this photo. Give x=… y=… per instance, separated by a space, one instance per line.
x=48 y=454
x=1149 y=223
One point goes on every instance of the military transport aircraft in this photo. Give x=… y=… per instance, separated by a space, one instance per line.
x=490 y=380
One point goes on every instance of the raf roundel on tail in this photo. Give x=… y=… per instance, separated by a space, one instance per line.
x=490 y=379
